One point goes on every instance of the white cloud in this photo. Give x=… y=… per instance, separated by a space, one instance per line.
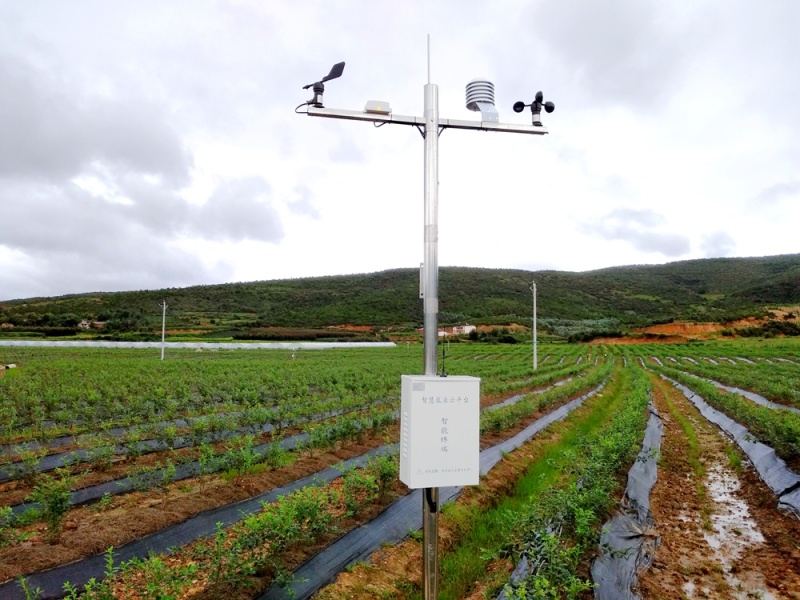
x=785 y=191
x=155 y=145
x=639 y=229
x=718 y=244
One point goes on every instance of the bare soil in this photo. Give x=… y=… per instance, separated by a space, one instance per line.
x=349 y=327
x=680 y=332
x=739 y=546
x=667 y=333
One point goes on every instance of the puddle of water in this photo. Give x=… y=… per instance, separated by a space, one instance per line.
x=733 y=530
x=690 y=590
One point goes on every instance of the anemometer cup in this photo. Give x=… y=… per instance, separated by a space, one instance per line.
x=536 y=108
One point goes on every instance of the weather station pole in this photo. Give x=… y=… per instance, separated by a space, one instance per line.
x=480 y=98
x=430 y=302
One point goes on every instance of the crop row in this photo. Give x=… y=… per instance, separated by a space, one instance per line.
x=480 y=527
x=69 y=391
x=779 y=429
x=236 y=557
x=775 y=350
x=562 y=525
x=235 y=458
x=242 y=449
x=508 y=416
x=255 y=546
x=222 y=422
x=131 y=441
x=242 y=453
x=778 y=382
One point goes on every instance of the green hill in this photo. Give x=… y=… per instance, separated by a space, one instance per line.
x=705 y=290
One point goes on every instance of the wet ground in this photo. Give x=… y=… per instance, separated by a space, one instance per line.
x=721 y=534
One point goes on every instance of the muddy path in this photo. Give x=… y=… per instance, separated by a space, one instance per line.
x=721 y=534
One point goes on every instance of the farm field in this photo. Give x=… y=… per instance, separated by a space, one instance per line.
x=245 y=464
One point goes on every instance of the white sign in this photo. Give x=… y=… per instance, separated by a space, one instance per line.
x=439 y=430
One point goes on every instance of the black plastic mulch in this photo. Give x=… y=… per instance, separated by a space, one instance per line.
x=380 y=530
x=203 y=525
x=628 y=541
x=396 y=521
x=772 y=469
x=128 y=484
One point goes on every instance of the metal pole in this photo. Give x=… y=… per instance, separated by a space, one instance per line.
x=430 y=497
x=430 y=265
x=163 y=327
x=429 y=279
x=533 y=289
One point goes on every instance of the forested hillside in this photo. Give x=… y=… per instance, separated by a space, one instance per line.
x=705 y=290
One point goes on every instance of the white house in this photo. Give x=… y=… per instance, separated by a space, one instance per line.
x=463 y=329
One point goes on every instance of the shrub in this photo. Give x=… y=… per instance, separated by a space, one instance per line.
x=52 y=494
x=360 y=488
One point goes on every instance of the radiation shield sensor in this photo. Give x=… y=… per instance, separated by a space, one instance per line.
x=480 y=98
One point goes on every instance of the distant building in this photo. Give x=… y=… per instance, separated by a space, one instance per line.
x=442 y=332
x=464 y=329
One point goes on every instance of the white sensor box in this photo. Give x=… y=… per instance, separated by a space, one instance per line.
x=378 y=107
x=439 y=430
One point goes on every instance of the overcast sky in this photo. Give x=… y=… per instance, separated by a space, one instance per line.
x=151 y=144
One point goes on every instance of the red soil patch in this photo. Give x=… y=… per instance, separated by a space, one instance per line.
x=673 y=339
x=362 y=328
x=685 y=329
x=679 y=332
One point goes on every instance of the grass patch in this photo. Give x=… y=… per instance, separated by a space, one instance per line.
x=734 y=459
x=693 y=456
x=484 y=534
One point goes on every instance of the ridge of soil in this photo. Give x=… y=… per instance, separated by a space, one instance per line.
x=91 y=529
x=683 y=511
x=685 y=565
x=396 y=571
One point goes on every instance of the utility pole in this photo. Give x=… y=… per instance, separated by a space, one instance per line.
x=533 y=289
x=480 y=98
x=163 y=326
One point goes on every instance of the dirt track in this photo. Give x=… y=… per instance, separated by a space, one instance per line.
x=721 y=535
